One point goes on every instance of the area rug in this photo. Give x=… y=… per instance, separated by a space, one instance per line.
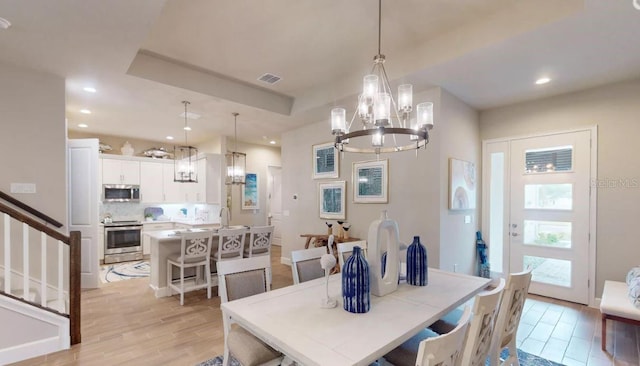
x=526 y=359
x=124 y=271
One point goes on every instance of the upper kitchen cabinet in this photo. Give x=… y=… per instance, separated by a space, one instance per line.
x=151 y=181
x=117 y=171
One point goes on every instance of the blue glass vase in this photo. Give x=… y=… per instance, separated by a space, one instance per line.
x=417 y=274
x=356 y=295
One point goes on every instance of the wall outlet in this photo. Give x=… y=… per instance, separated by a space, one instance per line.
x=23 y=188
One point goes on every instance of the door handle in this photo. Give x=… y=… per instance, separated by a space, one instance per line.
x=514 y=234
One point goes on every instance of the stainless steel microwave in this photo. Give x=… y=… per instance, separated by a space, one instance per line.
x=120 y=193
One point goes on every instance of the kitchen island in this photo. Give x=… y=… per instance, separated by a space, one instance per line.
x=163 y=244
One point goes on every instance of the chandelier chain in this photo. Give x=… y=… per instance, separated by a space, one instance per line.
x=186 y=141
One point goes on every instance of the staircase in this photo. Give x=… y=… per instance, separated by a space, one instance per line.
x=39 y=283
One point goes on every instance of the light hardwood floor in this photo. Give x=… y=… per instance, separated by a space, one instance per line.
x=124 y=324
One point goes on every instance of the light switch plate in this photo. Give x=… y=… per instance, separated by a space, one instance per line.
x=467 y=219
x=23 y=188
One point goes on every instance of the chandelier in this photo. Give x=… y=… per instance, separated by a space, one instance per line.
x=389 y=131
x=184 y=164
x=236 y=161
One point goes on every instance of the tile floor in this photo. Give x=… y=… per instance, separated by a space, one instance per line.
x=570 y=334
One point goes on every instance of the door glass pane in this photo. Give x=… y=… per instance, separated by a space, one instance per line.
x=549 y=270
x=555 y=234
x=496 y=211
x=548 y=196
x=555 y=159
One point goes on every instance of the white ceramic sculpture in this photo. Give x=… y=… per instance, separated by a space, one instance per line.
x=383 y=231
x=327 y=262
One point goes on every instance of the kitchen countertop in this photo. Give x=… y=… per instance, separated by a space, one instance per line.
x=164 y=235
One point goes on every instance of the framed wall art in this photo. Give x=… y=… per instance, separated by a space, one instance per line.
x=250 y=196
x=462 y=185
x=325 y=161
x=371 y=181
x=331 y=200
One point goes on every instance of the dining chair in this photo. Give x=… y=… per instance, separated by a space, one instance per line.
x=345 y=249
x=431 y=349
x=259 y=241
x=480 y=333
x=237 y=279
x=195 y=249
x=230 y=245
x=305 y=264
x=515 y=293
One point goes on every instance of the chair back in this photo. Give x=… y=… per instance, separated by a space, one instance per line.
x=240 y=278
x=259 y=241
x=345 y=249
x=513 y=298
x=305 y=264
x=445 y=350
x=480 y=334
x=230 y=243
x=195 y=246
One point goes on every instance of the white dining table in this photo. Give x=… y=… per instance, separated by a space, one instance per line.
x=292 y=321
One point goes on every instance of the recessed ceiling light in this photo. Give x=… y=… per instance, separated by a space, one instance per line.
x=85 y=111
x=89 y=89
x=187 y=128
x=272 y=142
x=542 y=81
x=83 y=125
x=4 y=24
x=169 y=137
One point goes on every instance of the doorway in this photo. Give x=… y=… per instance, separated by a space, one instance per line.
x=539 y=211
x=274 y=203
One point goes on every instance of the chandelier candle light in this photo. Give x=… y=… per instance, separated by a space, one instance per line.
x=374 y=110
x=185 y=157
x=236 y=161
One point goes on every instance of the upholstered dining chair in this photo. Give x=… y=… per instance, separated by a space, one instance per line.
x=259 y=241
x=237 y=279
x=195 y=249
x=515 y=293
x=230 y=245
x=345 y=249
x=431 y=349
x=305 y=264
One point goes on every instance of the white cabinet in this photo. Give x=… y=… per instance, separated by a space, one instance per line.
x=151 y=182
x=146 y=227
x=116 y=171
x=172 y=190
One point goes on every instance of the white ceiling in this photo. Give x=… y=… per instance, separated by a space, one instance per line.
x=146 y=56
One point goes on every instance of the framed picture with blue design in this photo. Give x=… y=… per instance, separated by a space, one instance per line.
x=331 y=200
x=250 y=197
x=371 y=181
x=325 y=161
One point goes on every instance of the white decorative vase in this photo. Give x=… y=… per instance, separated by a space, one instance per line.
x=380 y=230
x=127 y=149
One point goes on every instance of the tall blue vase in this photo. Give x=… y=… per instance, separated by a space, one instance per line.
x=417 y=274
x=356 y=293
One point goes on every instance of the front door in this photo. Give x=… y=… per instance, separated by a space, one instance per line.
x=549 y=225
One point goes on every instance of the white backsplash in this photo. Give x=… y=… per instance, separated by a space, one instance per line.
x=135 y=211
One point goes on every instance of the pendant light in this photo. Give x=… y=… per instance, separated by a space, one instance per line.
x=236 y=161
x=184 y=164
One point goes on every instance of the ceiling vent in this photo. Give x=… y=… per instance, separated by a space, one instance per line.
x=269 y=78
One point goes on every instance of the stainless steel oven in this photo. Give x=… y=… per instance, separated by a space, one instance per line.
x=122 y=241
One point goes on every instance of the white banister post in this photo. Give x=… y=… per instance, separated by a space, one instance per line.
x=25 y=261
x=7 y=254
x=43 y=266
x=61 y=303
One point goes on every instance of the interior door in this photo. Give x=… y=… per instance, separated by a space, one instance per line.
x=82 y=168
x=275 y=203
x=550 y=213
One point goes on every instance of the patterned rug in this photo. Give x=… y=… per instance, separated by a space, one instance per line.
x=526 y=359
x=124 y=271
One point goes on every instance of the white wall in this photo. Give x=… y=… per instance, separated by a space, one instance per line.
x=418 y=186
x=615 y=109
x=259 y=158
x=33 y=138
